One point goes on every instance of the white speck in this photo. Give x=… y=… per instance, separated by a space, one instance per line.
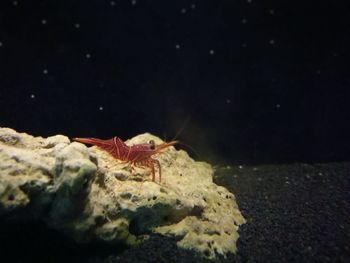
x=177 y=46
x=183 y=10
x=193 y=6
x=45 y=71
x=249 y=1
x=15 y=3
x=244 y=21
x=244 y=45
x=272 y=12
x=278 y=106
x=0 y=44
x=133 y=2
x=77 y=25
x=320 y=173
x=100 y=108
x=44 y=21
x=255 y=169
x=211 y=52
x=272 y=42
x=259 y=179
x=88 y=55
x=240 y=166
x=112 y=3
x=32 y=96
x=228 y=101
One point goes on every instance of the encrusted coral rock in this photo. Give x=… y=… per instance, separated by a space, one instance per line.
x=87 y=194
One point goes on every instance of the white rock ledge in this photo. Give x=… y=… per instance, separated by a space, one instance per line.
x=87 y=194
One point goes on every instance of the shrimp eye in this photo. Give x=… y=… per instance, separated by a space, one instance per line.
x=152 y=144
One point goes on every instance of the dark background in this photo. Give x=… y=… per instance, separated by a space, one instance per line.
x=238 y=81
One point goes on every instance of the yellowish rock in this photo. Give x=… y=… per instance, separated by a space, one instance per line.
x=87 y=194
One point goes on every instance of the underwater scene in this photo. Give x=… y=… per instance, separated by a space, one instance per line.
x=174 y=131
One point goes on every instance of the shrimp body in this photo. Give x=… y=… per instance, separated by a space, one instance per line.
x=139 y=155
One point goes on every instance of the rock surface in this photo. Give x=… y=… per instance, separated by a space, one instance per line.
x=88 y=195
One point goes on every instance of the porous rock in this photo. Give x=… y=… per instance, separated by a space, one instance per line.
x=89 y=195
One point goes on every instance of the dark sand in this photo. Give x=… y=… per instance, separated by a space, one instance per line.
x=295 y=213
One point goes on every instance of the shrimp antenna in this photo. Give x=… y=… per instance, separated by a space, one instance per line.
x=191 y=148
x=184 y=124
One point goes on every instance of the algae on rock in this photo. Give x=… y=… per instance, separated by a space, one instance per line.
x=87 y=194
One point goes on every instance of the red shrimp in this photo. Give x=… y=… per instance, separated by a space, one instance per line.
x=139 y=155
